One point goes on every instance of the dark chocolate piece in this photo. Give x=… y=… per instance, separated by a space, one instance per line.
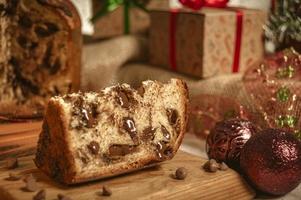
x=123 y=99
x=88 y=117
x=172 y=116
x=46 y=30
x=165 y=133
x=181 y=173
x=148 y=134
x=211 y=166
x=25 y=21
x=163 y=150
x=11 y=8
x=106 y=191
x=141 y=91
x=52 y=28
x=93 y=147
x=121 y=149
x=129 y=126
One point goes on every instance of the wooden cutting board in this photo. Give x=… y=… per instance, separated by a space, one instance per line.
x=19 y=138
x=153 y=183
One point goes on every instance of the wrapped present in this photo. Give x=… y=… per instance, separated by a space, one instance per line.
x=206 y=42
x=113 y=18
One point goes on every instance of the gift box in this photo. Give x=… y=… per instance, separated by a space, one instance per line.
x=206 y=42
x=112 y=24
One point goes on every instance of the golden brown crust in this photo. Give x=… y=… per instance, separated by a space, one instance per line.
x=55 y=161
x=11 y=109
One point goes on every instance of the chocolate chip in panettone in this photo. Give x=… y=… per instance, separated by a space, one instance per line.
x=211 y=166
x=2 y=9
x=11 y=8
x=181 y=173
x=12 y=163
x=25 y=21
x=88 y=117
x=141 y=91
x=93 y=147
x=172 y=116
x=63 y=197
x=24 y=42
x=121 y=149
x=45 y=30
x=123 y=100
x=129 y=126
x=165 y=133
x=52 y=28
x=160 y=149
x=41 y=31
x=41 y=195
x=42 y=1
x=148 y=134
x=106 y=191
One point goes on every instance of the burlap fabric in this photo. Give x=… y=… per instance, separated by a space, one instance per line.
x=101 y=61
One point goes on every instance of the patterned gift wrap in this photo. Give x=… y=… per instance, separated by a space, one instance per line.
x=207 y=42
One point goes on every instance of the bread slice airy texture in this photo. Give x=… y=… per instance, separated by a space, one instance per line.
x=96 y=135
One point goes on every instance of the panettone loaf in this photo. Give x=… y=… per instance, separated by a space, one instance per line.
x=88 y=136
x=40 y=54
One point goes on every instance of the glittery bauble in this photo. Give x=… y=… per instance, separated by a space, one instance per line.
x=272 y=161
x=227 y=138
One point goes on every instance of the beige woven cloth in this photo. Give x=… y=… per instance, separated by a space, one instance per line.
x=101 y=61
x=116 y=61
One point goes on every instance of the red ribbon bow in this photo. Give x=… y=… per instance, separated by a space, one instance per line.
x=198 y=4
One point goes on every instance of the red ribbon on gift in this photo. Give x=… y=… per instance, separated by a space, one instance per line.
x=197 y=5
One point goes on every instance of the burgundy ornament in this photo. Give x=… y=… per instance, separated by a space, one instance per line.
x=272 y=161
x=227 y=138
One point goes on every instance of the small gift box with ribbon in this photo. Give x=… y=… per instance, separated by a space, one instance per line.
x=206 y=38
x=118 y=17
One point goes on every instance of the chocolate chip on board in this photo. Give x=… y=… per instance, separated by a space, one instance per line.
x=211 y=166
x=106 y=191
x=181 y=173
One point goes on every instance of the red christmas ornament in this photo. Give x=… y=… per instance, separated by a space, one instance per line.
x=271 y=160
x=227 y=138
x=193 y=4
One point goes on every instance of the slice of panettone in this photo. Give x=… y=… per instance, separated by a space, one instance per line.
x=88 y=136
